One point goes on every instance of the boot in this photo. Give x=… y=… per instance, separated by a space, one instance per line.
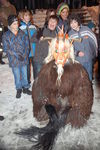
x=27 y=91
x=1 y=118
x=2 y=62
x=18 y=94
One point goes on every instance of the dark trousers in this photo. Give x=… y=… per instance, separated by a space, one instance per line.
x=36 y=69
x=31 y=62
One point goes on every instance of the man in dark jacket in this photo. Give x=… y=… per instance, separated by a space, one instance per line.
x=15 y=44
x=42 y=45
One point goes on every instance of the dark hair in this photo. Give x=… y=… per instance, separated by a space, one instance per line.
x=75 y=17
x=11 y=19
x=53 y=17
x=23 y=12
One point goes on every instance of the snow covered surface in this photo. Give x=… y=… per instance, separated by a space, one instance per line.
x=18 y=114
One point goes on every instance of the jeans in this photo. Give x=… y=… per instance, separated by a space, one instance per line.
x=37 y=68
x=89 y=68
x=20 y=77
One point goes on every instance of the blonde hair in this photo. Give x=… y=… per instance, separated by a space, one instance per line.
x=23 y=12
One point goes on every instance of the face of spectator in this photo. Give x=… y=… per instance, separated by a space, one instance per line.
x=64 y=14
x=26 y=17
x=52 y=23
x=14 y=26
x=74 y=25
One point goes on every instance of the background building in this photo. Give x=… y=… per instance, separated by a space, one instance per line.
x=45 y=4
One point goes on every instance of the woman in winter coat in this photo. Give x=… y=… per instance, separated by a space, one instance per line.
x=63 y=13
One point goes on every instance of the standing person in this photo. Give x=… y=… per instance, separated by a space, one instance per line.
x=15 y=44
x=26 y=24
x=85 y=44
x=42 y=45
x=62 y=13
x=6 y=9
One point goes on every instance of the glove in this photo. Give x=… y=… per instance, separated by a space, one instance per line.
x=20 y=58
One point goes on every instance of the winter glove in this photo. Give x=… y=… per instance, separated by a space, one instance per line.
x=20 y=58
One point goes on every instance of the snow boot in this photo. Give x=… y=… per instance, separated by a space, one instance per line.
x=1 y=118
x=18 y=94
x=27 y=91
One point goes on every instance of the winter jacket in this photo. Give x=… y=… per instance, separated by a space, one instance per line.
x=84 y=40
x=30 y=30
x=42 y=45
x=16 y=47
x=65 y=23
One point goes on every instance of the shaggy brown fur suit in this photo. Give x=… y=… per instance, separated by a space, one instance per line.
x=75 y=90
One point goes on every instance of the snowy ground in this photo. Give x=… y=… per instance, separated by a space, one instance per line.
x=18 y=114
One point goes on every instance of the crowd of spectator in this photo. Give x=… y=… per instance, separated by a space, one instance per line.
x=26 y=44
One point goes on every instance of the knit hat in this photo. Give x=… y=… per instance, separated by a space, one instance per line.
x=60 y=7
x=11 y=19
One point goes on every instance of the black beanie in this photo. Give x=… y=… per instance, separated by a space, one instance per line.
x=11 y=19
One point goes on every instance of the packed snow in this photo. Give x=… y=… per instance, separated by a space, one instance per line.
x=18 y=114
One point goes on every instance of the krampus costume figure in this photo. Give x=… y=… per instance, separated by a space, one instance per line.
x=63 y=82
x=62 y=93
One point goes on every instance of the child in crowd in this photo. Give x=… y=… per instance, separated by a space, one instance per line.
x=85 y=44
x=26 y=24
x=63 y=13
x=15 y=44
x=41 y=52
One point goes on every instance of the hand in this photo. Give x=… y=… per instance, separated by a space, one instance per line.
x=61 y=32
x=41 y=38
x=80 y=54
